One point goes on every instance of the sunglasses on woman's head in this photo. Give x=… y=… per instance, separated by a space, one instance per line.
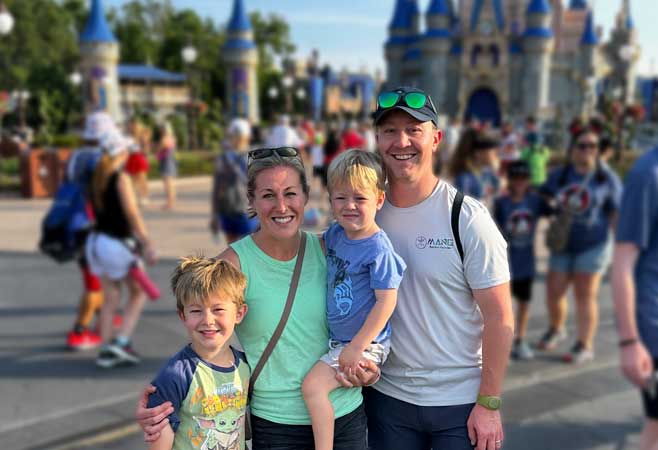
x=283 y=152
x=414 y=100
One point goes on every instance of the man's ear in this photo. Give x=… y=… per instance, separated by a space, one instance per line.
x=438 y=137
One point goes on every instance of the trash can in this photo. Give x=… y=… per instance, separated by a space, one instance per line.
x=42 y=171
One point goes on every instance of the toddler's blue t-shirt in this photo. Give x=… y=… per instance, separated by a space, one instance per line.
x=355 y=268
x=209 y=401
x=591 y=204
x=518 y=223
x=638 y=224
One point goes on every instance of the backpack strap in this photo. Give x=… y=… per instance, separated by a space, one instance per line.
x=454 y=222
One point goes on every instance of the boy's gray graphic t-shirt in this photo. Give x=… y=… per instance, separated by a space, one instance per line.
x=436 y=345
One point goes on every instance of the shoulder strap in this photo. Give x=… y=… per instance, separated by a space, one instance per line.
x=454 y=222
x=284 y=316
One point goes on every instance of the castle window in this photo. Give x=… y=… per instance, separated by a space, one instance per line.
x=495 y=55
x=475 y=53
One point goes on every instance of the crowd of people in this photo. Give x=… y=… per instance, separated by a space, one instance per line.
x=356 y=338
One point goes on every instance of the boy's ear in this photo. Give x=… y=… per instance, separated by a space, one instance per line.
x=181 y=315
x=380 y=200
x=241 y=312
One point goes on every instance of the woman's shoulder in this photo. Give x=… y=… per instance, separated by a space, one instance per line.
x=230 y=255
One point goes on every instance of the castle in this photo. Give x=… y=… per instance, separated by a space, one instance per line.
x=506 y=59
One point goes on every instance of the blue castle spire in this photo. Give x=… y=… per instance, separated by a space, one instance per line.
x=401 y=17
x=439 y=7
x=239 y=20
x=539 y=7
x=627 y=12
x=97 y=29
x=498 y=11
x=589 y=34
x=578 y=4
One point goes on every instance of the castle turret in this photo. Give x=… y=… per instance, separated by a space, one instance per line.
x=99 y=59
x=241 y=56
x=400 y=34
x=537 y=51
x=624 y=51
x=578 y=4
x=436 y=45
x=589 y=44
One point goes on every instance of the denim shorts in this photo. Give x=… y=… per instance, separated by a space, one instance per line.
x=592 y=260
x=375 y=352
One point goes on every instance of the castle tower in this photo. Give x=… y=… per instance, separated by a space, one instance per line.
x=537 y=49
x=400 y=34
x=436 y=46
x=625 y=52
x=589 y=44
x=99 y=58
x=241 y=58
x=578 y=4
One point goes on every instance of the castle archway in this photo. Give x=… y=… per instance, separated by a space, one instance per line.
x=484 y=106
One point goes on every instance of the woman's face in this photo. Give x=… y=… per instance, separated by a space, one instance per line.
x=585 y=150
x=279 y=201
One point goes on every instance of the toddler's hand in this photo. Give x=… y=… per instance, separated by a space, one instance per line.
x=349 y=358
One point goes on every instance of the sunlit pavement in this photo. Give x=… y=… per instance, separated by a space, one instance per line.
x=55 y=399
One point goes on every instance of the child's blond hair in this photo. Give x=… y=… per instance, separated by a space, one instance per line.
x=196 y=279
x=358 y=169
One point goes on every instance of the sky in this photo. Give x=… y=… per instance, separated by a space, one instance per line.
x=351 y=33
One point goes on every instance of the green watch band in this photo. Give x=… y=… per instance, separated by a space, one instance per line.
x=489 y=401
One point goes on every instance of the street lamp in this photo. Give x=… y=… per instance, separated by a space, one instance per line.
x=75 y=78
x=273 y=92
x=301 y=93
x=288 y=82
x=626 y=55
x=6 y=20
x=21 y=97
x=189 y=55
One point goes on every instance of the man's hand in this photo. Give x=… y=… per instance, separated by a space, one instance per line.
x=485 y=428
x=152 y=420
x=367 y=373
x=636 y=364
x=349 y=358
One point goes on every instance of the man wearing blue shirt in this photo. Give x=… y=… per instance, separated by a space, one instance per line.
x=635 y=287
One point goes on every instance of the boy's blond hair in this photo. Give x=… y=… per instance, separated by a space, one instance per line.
x=196 y=279
x=358 y=169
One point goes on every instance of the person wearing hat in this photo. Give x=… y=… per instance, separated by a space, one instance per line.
x=453 y=326
x=114 y=247
x=229 y=192
x=516 y=213
x=537 y=156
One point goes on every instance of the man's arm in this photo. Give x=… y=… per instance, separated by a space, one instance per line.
x=485 y=426
x=636 y=363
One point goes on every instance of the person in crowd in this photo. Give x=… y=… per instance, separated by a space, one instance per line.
x=449 y=143
x=473 y=166
x=368 y=134
x=453 y=324
x=167 y=163
x=516 y=214
x=590 y=194
x=137 y=166
x=318 y=156
x=448 y=358
x=635 y=288
x=332 y=148
x=363 y=273
x=537 y=156
x=351 y=137
x=509 y=146
x=210 y=302
x=283 y=135
x=229 y=192
x=277 y=190
x=114 y=248
x=606 y=151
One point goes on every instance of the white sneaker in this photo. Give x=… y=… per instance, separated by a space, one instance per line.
x=522 y=351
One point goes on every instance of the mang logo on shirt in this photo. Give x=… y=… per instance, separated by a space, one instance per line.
x=425 y=242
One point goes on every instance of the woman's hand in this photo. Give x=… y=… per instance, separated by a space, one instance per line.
x=152 y=420
x=366 y=374
x=150 y=255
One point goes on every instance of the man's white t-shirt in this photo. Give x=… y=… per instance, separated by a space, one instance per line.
x=436 y=347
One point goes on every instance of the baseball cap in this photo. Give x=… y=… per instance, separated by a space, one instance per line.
x=425 y=113
x=239 y=127
x=98 y=124
x=114 y=143
x=518 y=169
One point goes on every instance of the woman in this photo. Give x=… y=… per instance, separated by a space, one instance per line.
x=229 y=199
x=473 y=166
x=137 y=165
x=591 y=193
x=112 y=249
x=277 y=190
x=167 y=163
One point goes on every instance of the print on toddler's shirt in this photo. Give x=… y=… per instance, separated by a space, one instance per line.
x=519 y=227
x=342 y=284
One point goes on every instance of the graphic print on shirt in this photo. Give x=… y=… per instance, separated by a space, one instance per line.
x=518 y=227
x=579 y=200
x=342 y=283
x=222 y=419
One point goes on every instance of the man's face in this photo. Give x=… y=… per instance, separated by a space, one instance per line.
x=407 y=146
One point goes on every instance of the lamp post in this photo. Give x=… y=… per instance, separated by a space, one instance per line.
x=21 y=97
x=288 y=82
x=189 y=55
x=626 y=55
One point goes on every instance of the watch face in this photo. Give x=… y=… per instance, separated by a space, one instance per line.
x=494 y=403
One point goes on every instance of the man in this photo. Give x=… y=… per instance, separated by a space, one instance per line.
x=283 y=135
x=453 y=325
x=635 y=287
